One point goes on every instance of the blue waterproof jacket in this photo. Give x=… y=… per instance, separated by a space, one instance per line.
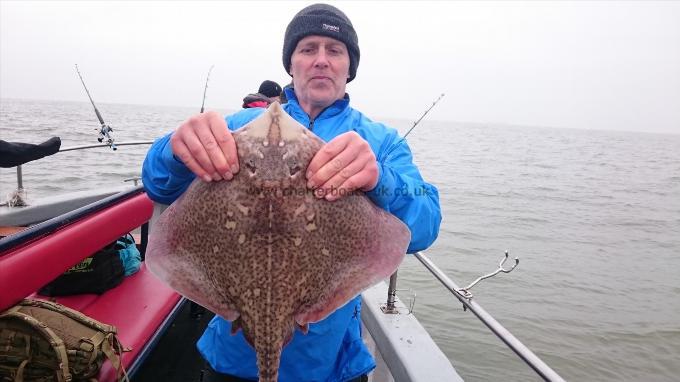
x=332 y=350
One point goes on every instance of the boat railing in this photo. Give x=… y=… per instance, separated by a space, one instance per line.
x=82 y=147
x=18 y=197
x=466 y=298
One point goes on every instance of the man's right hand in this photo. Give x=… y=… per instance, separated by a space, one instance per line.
x=205 y=145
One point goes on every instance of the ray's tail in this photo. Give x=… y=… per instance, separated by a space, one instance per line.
x=268 y=360
x=268 y=346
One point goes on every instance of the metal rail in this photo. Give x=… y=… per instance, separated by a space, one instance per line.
x=540 y=367
x=17 y=199
x=105 y=145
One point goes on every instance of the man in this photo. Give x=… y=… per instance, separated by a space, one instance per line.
x=321 y=53
x=268 y=92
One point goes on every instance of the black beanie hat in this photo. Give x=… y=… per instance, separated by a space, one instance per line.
x=269 y=89
x=322 y=20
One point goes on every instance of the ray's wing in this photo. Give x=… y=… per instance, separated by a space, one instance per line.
x=360 y=245
x=191 y=246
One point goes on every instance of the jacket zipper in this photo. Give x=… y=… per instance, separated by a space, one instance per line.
x=311 y=121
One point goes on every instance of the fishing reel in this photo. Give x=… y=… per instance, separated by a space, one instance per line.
x=105 y=137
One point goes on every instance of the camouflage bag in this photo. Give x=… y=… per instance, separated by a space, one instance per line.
x=44 y=341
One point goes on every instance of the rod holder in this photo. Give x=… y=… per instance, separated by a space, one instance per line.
x=466 y=291
x=389 y=307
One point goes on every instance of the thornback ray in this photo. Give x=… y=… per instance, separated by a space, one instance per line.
x=263 y=251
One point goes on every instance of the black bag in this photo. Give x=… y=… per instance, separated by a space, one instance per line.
x=95 y=274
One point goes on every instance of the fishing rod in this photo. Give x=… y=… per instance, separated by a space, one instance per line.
x=206 y=87
x=414 y=125
x=422 y=116
x=105 y=129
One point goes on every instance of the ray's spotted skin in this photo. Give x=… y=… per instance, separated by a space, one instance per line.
x=262 y=251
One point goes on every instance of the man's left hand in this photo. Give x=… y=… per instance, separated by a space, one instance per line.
x=343 y=165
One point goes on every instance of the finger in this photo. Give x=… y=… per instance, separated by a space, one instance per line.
x=204 y=132
x=335 y=184
x=365 y=179
x=326 y=153
x=183 y=153
x=226 y=144
x=371 y=173
x=198 y=151
x=348 y=187
x=337 y=166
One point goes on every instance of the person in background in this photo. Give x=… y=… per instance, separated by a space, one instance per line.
x=268 y=92
x=321 y=54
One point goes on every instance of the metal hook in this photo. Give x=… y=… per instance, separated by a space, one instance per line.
x=392 y=309
x=466 y=291
x=412 y=300
x=134 y=179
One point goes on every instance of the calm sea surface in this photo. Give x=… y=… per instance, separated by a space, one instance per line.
x=594 y=217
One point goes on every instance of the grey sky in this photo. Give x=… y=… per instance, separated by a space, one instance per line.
x=592 y=65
